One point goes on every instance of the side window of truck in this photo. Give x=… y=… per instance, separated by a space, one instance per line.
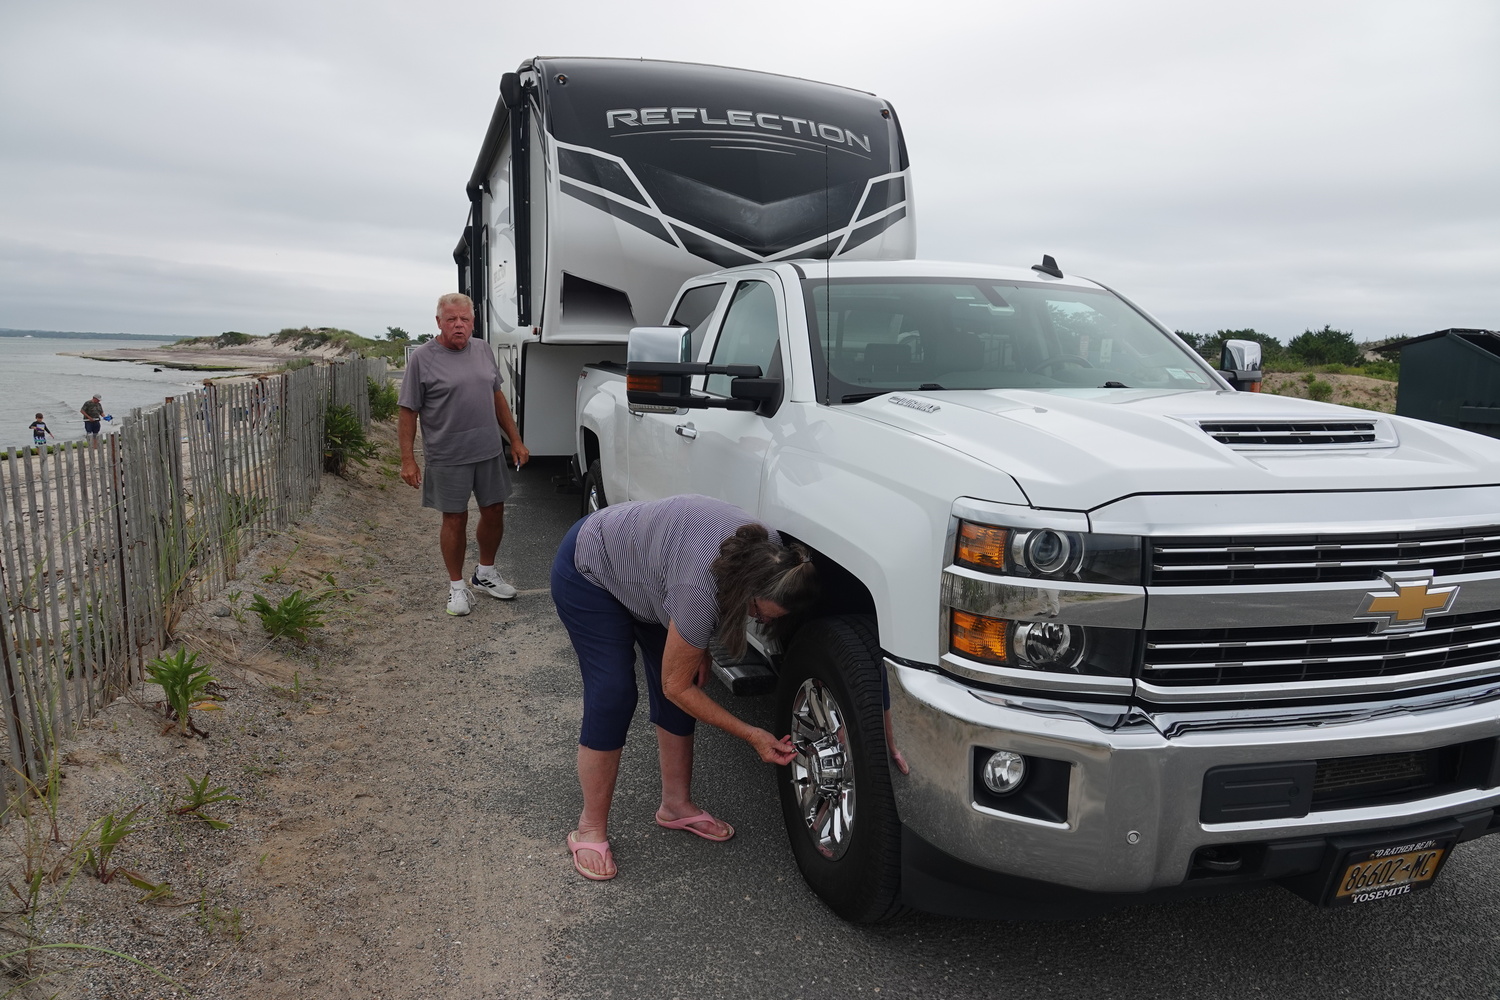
x=749 y=335
x=695 y=309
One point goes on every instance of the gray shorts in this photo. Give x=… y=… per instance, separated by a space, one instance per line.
x=448 y=487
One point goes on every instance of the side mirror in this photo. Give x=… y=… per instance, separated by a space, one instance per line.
x=658 y=369
x=660 y=343
x=658 y=375
x=1239 y=362
x=760 y=390
x=666 y=386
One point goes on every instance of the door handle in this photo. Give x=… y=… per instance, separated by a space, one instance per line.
x=687 y=430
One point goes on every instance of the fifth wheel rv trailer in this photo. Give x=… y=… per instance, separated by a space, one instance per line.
x=603 y=184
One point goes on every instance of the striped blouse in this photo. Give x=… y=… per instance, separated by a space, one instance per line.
x=653 y=557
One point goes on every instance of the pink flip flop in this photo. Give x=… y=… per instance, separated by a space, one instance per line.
x=686 y=823
x=600 y=848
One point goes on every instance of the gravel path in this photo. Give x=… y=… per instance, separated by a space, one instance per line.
x=393 y=836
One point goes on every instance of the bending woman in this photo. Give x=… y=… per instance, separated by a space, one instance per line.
x=667 y=576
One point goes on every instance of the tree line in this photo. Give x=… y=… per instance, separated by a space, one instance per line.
x=1309 y=349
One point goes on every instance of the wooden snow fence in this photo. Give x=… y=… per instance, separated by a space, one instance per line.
x=101 y=546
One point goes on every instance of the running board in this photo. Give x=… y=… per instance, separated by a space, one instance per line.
x=749 y=675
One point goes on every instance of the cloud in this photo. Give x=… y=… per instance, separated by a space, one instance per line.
x=193 y=168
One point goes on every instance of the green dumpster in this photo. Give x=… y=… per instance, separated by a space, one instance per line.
x=1452 y=377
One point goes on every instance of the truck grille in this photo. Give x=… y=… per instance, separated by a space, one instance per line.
x=1287 y=655
x=1284 y=559
x=1283 y=434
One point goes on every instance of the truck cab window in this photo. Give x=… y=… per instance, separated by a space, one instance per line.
x=878 y=335
x=749 y=335
x=695 y=309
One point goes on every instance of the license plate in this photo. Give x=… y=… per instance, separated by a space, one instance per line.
x=1379 y=873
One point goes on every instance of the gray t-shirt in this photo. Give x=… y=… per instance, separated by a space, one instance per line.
x=453 y=394
x=653 y=556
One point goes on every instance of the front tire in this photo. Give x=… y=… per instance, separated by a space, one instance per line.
x=593 y=490
x=836 y=797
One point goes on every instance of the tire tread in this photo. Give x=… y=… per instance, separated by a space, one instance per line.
x=853 y=640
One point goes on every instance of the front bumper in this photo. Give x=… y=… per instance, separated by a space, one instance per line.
x=1131 y=821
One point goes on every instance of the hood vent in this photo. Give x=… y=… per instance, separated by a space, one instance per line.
x=1257 y=435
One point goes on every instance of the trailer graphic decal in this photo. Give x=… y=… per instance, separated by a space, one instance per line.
x=765 y=231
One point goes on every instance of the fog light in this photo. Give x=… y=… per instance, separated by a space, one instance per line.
x=1004 y=772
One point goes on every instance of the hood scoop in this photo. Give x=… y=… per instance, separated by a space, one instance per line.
x=1285 y=435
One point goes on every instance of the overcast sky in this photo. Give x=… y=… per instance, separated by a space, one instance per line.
x=188 y=168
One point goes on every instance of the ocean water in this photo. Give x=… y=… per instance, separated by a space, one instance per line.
x=36 y=377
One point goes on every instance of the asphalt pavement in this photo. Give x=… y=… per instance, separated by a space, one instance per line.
x=692 y=919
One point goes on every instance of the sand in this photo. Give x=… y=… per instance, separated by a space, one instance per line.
x=369 y=854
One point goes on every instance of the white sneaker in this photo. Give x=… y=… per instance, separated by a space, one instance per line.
x=460 y=601
x=494 y=585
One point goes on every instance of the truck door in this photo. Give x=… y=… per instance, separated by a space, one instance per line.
x=722 y=452
x=654 y=442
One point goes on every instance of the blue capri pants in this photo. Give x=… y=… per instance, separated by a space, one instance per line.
x=605 y=636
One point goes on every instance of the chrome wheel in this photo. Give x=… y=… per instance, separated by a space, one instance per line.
x=593 y=490
x=822 y=774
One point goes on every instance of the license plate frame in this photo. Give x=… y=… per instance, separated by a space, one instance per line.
x=1395 y=867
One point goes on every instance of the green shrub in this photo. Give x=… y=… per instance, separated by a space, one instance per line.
x=199 y=796
x=344 y=440
x=1390 y=371
x=293 y=617
x=306 y=338
x=1211 y=346
x=107 y=833
x=183 y=682
x=383 y=397
x=1324 y=347
x=1319 y=390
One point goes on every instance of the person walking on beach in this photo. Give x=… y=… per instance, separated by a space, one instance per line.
x=668 y=576
x=39 y=432
x=452 y=387
x=93 y=412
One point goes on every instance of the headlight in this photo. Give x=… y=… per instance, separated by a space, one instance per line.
x=1048 y=646
x=1049 y=553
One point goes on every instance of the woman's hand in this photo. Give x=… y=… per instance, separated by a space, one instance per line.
x=770 y=749
x=684 y=669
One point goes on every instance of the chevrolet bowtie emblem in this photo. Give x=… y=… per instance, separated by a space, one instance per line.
x=1405 y=607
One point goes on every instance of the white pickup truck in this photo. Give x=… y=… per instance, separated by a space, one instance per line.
x=1098 y=627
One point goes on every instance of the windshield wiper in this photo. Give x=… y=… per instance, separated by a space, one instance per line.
x=860 y=397
x=929 y=386
x=1112 y=384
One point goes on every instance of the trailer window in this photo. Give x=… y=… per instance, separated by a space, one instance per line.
x=749 y=335
x=695 y=309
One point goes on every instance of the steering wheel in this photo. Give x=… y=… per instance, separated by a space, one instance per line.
x=1061 y=359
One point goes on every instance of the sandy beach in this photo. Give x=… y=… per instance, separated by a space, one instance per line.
x=261 y=355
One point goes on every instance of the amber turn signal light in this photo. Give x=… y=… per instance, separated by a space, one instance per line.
x=981 y=546
x=978 y=637
x=644 y=383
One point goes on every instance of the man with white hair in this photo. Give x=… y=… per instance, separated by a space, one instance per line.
x=452 y=387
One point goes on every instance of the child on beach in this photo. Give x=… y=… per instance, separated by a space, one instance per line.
x=40 y=432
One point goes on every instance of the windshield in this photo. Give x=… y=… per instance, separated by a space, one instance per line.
x=878 y=335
